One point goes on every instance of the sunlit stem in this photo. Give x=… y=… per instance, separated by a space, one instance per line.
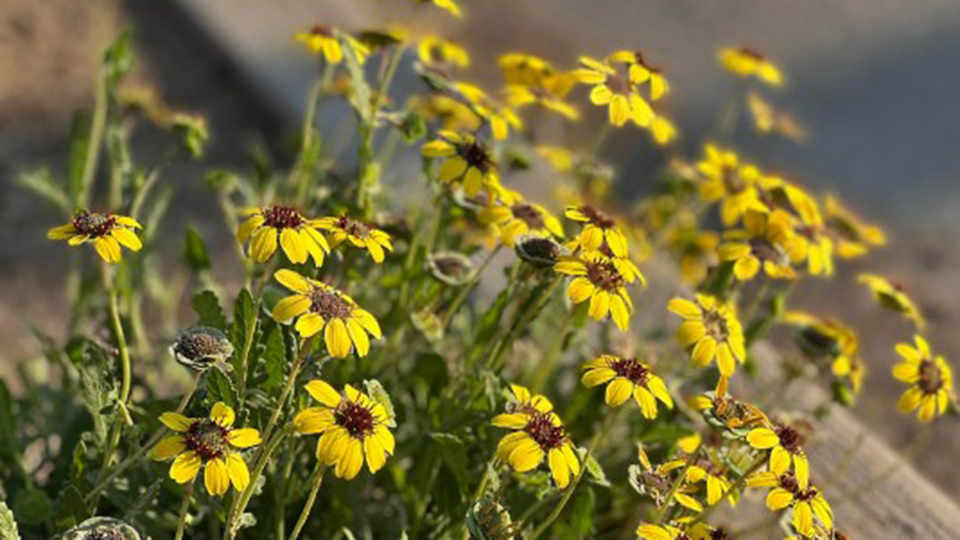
x=311 y=499
x=184 y=507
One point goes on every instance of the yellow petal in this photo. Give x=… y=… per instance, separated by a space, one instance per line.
x=359 y=337
x=618 y=391
x=510 y=421
x=222 y=414
x=176 y=421
x=244 y=438
x=375 y=454
x=558 y=468
x=313 y=420
x=324 y=393
x=238 y=472
x=127 y=238
x=108 y=249
x=351 y=461
x=264 y=244
x=763 y=438
x=293 y=246
x=216 y=477
x=337 y=339
x=290 y=307
x=185 y=467
x=704 y=351
x=778 y=499
x=293 y=281
x=595 y=377
x=309 y=324
x=685 y=308
x=646 y=401
x=168 y=448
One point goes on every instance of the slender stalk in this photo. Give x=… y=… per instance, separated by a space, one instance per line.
x=184 y=506
x=94 y=142
x=308 y=507
x=241 y=502
x=558 y=509
x=135 y=457
x=668 y=500
x=301 y=174
x=467 y=287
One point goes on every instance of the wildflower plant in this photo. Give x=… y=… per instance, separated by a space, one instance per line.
x=456 y=328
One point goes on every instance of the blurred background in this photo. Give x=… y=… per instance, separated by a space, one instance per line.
x=875 y=83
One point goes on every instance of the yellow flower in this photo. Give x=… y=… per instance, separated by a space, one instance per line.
x=524 y=69
x=521 y=217
x=318 y=306
x=662 y=129
x=930 y=379
x=826 y=337
x=208 y=443
x=107 y=232
x=627 y=377
x=731 y=182
x=712 y=330
x=784 y=445
x=598 y=229
x=806 y=501
x=704 y=471
x=641 y=72
x=695 y=531
x=436 y=51
x=560 y=158
x=450 y=6
x=853 y=236
x=360 y=235
x=282 y=225
x=352 y=428
x=892 y=296
x=465 y=161
x=501 y=117
x=548 y=91
x=602 y=284
x=323 y=40
x=615 y=91
x=538 y=433
x=748 y=63
x=767 y=241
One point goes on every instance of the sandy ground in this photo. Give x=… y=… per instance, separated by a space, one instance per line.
x=44 y=76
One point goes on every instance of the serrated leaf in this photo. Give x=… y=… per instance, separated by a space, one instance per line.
x=8 y=525
x=209 y=311
x=220 y=388
x=375 y=390
x=195 y=251
x=244 y=322
x=454 y=455
x=98 y=380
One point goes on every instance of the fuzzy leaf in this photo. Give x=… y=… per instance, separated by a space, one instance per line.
x=209 y=312
x=195 y=251
x=8 y=526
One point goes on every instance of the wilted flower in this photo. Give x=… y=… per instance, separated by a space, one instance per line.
x=489 y=520
x=202 y=347
x=107 y=232
x=352 y=428
x=209 y=443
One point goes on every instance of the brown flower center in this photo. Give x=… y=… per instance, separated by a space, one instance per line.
x=604 y=275
x=329 y=304
x=321 y=30
x=618 y=84
x=207 y=438
x=355 y=418
x=931 y=378
x=528 y=214
x=769 y=251
x=93 y=224
x=282 y=217
x=597 y=217
x=716 y=325
x=104 y=534
x=790 y=439
x=544 y=432
x=476 y=156
x=631 y=369
x=353 y=227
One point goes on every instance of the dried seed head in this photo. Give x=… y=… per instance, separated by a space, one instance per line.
x=201 y=347
x=539 y=250
x=450 y=267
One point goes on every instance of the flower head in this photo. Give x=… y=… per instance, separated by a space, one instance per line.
x=766 y=241
x=533 y=81
x=450 y=6
x=627 y=377
x=852 y=235
x=683 y=531
x=521 y=217
x=784 y=443
x=819 y=337
x=806 y=501
x=749 y=63
x=201 y=348
x=893 y=296
x=317 y=306
x=435 y=51
x=640 y=72
x=598 y=228
x=352 y=428
x=500 y=115
x=731 y=182
x=712 y=331
x=466 y=161
x=538 y=432
x=283 y=225
x=361 y=235
x=323 y=40
x=107 y=232
x=602 y=284
x=930 y=379
x=616 y=91
x=208 y=443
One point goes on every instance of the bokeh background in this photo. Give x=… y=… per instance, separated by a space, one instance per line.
x=876 y=83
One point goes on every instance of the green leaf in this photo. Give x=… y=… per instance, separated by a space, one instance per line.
x=194 y=251
x=209 y=312
x=219 y=388
x=119 y=59
x=41 y=183
x=8 y=526
x=98 y=380
x=70 y=509
x=244 y=322
x=31 y=506
x=9 y=448
x=454 y=455
x=79 y=145
x=275 y=359
x=595 y=472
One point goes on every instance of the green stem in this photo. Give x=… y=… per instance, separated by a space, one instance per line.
x=302 y=173
x=467 y=287
x=94 y=142
x=308 y=507
x=557 y=510
x=184 y=506
x=240 y=504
